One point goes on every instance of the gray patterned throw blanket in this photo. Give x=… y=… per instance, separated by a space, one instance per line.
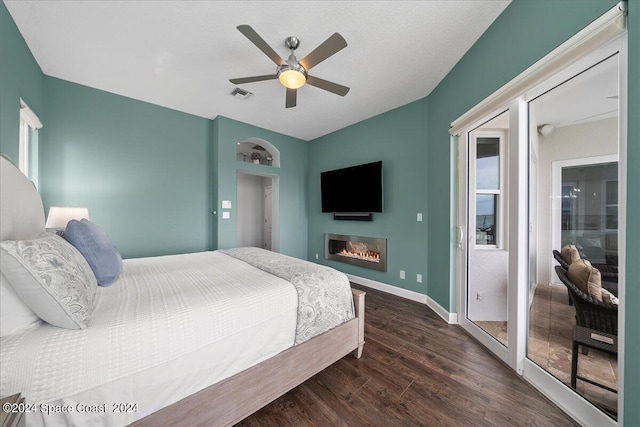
x=324 y=294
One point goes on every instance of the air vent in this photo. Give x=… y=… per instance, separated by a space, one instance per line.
x=241 y=93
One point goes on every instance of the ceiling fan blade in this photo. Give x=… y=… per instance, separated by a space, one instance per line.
x=327 y=85
x=253 y=79
x=291 y=98
x=330 y=46
x=255 y=38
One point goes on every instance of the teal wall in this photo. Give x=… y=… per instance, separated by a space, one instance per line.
x=398 y=138
x=292 y=175
x=142 y=170
x=20 y=77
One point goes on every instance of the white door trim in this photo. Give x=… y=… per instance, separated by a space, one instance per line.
x=465 y=243
x=556 y=197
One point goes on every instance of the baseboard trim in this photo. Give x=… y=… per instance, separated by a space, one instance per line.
x=451 y=318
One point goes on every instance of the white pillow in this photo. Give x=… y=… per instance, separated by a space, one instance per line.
x=52 y=278
x=15 y=315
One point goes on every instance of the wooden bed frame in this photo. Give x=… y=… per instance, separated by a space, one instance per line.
x=231 y=400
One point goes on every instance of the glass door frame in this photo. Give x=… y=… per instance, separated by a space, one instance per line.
x=514 y=97
x=514 y=353
x=573 y=403
x=556 y=182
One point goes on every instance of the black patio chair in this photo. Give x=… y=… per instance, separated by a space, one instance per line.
x=596 y=326
x=590 y=313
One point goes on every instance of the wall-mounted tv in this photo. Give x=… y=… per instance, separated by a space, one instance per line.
x=356 y=189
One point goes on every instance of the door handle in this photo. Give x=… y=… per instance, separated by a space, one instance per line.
x=459 y=236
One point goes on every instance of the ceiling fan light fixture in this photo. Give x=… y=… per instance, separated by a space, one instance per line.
x=292 y=73
x=292 y=76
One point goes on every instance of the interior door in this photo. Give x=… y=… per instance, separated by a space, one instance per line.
x=268 y=215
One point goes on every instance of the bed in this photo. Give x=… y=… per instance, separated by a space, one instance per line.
x=194 y=339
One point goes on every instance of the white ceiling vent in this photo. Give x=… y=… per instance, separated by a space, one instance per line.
x=241 y=93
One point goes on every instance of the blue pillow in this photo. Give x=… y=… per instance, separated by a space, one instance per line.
x=103 y=258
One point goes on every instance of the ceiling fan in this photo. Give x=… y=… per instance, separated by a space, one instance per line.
x=292 y=73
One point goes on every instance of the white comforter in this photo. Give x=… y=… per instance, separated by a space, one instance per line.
x=167 y=328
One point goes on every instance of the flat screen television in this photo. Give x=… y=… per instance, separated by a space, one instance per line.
x=356 y=189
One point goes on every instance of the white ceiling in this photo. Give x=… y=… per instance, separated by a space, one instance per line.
x=181 y=54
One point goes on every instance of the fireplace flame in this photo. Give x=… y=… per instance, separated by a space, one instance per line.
x=367 y=255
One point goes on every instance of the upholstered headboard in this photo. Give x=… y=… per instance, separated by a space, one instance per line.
x=21 y=209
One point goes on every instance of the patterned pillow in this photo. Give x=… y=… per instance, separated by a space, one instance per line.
x=52 y=278
x=587 y=278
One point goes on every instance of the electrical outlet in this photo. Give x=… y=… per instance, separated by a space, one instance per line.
x=479 y=296
x=402 y=274
x=316 y=256
x=419 y=278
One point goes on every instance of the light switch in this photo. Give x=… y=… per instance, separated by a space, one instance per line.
x=226 y=215
x=226 y=204
x=419 y=217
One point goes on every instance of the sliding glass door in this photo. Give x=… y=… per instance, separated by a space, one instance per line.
x=485 y=205
x=574 y=139
x=545 y=171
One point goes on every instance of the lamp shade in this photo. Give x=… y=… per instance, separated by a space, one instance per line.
x=292 y=75
x=59 y=216
x=292 y=79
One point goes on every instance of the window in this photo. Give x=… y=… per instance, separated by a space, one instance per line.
x=488 y=184
x=28 y=146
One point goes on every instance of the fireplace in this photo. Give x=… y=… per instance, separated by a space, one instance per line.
x=365 y=252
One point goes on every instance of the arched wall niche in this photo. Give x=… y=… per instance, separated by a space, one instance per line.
x=258 y=151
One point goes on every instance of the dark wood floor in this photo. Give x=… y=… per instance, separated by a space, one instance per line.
x=415 y=370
